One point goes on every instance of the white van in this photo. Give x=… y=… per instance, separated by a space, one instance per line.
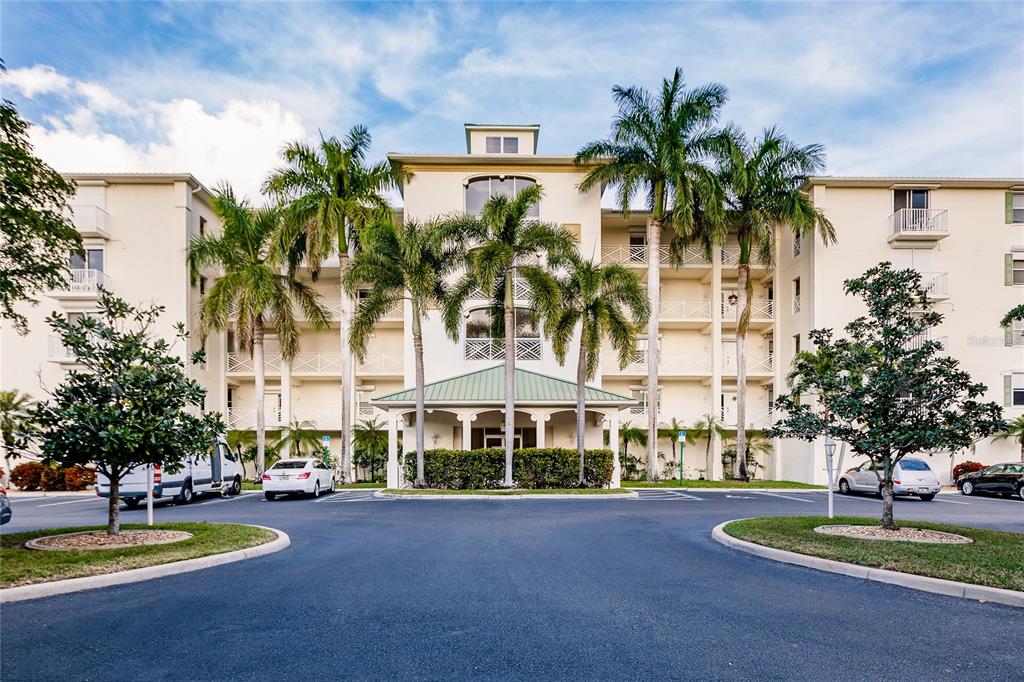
x=216 y=472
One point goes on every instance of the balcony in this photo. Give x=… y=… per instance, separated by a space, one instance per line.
x=244 y=418
x=316 y=363
x=919 y=224
x=91 y=221
x=242 y=363
x=326 y=418
x=936 y=285
x=685 y=313
x=81 y=284
x=520 y=292
x=381 y=365
x=762 y=312
x=637 y=256
x=757 y=364
x=758 y=422
x=675 y=365
x=494 y=349
x=731 y=258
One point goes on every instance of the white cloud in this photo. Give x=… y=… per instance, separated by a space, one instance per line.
x=37 y=80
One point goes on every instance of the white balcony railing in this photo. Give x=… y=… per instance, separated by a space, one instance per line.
x=84 y=281
x=760 y=309
x=90 y=219
x=520 y=292
x=916 y=342
x=731 y=256
x=917 y=220
x=56 y=351
x=697 y=309
x=245 y=418
x=381 y=364
x=756 y=363
x=316 y=363
x=796 y=303
x=393 y=314
x=760 y=421
x=630 y=255
x=494 y=349
x=935 y=283
x=668 y=363
x=243 y=363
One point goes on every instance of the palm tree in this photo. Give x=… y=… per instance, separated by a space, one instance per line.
x=763 y=180
x=297 y=439
x=252 y=289
x=330 y=194
x=604 y=302
x=672 y=433
x=411 y=262
x=709 y=426
x=370 y=443
x=630 y=434
x=506 y=244
x=15 y=420
x=660 y=145
x=1013 y=429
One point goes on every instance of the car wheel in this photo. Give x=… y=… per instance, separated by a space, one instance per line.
x=1020 y=491
x=332 y=486
x=185 y=496
x=236 y=486
x=844 y=486
x=270 y=496
x=927 y=498
x=967 y=488
x=132 y=502
x=316 y=490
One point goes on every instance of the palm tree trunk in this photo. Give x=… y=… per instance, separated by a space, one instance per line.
x=654 y=293
x=745 y=290
x=345 y=458
x=261 y=397
x=417 y=343
x=581 y=405
x=510 y=376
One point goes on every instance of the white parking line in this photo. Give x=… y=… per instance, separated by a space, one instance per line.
x=54 y=504
x=786 y=497
x=350 y=498
x=939 y=499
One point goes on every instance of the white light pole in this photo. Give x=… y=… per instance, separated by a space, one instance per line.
x=830 y=449
x=149 y=494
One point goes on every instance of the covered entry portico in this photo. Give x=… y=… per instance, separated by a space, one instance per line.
x=468 y=411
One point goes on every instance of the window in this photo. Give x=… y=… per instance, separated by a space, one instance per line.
x=1018 y=268
x=202 y=226
x=93 y=260
x=796 y=245
x=796 y=343
x=1017 y=398
x=909 y=198
x=1016 y=208
x=479 y=190
x=478 y=324
x=796 y=295
x=202 y=286
x=493 y=145
x=510 y=145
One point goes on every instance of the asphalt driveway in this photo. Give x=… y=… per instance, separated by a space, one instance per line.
x=597 y=589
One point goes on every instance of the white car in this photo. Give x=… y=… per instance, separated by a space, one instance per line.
x=910 y=477
x=306 y=476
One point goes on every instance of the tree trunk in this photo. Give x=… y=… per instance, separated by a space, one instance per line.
x=417 y=343
x=887 y=498
x=261 y=406
x=345 y=458
x=510 y=375
x=581 y=405
x=113 y=505
x=745 y=289
x=654 y=293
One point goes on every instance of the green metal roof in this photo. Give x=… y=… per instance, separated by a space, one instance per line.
x=488 y=386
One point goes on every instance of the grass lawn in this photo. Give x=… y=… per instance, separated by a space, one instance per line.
x=995 y=558
x=700 y=483
x=20 y=566
x=515 y=491
x=349 y=486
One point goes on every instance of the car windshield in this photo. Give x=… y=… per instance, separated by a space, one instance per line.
x=914 y=465
x=291 y=464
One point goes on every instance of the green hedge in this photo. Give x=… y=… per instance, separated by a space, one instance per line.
x=531 y=468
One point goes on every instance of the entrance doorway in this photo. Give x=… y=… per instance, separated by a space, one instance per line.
x=729 y=407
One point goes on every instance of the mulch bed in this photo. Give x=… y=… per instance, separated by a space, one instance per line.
x=100 y=539
x=900 y=535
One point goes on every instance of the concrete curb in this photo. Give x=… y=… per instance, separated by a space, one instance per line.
x=134 y=575
x=950 y=588
x=609 y=496
x=733 y=490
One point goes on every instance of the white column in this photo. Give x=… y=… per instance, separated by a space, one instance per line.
x=467 y=431
x=393 y=474
x=541 y=421
x=714 y=467
x=613 y=442
x=286 y=392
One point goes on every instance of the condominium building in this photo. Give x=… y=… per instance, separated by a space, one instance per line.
x=966 y=236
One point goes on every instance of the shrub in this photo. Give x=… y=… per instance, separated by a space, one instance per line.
x=38 y=476
x=966 y=468
x=531 y=468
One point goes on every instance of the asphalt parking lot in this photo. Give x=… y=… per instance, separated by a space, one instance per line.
x=509 y=589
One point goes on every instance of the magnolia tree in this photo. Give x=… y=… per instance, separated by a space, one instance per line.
x=886 y=388
x=132 y=404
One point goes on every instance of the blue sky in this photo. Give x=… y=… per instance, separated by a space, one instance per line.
x=215 y=88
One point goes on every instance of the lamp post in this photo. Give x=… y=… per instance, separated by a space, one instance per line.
x=830 y=449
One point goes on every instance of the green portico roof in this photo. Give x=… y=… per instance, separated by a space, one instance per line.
x=488 y=386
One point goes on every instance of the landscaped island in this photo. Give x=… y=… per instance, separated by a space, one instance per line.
x=702 y=483
x=22 y=566
x=994 y=558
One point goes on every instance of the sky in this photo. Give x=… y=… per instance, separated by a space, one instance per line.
x=215 y=89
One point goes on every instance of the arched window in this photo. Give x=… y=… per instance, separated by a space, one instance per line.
x=479 y=190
